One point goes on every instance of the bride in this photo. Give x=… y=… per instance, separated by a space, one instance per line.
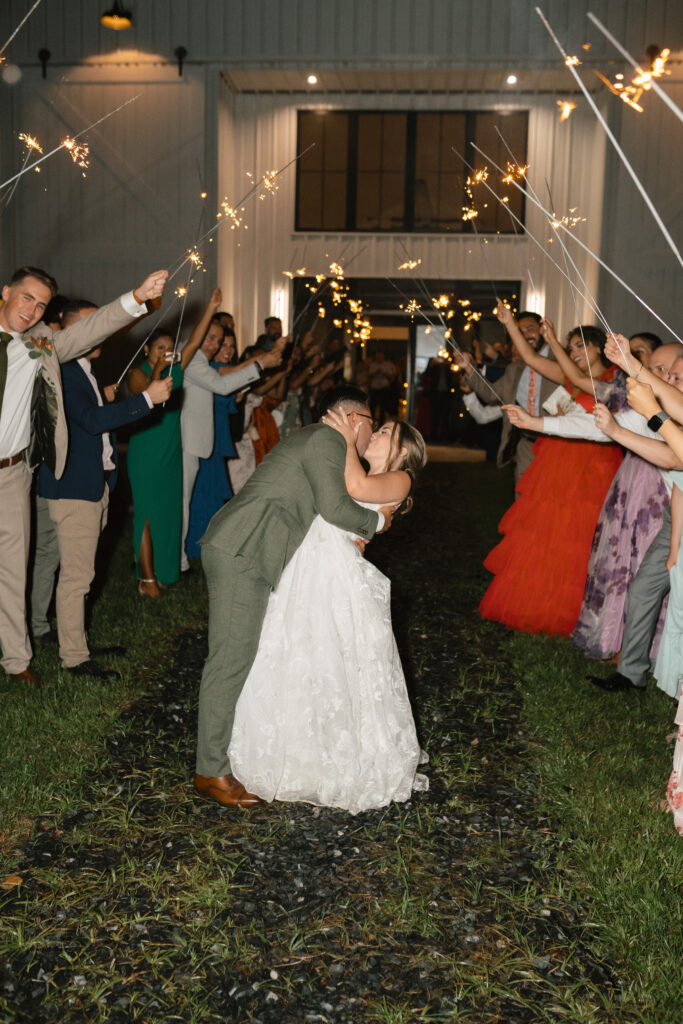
x=324 y=716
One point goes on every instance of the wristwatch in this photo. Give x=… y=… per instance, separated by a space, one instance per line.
x=655 y=422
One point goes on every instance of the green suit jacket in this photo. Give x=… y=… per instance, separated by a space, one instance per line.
x=300 y=478
x=49 y=434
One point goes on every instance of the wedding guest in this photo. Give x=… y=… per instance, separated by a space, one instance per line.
x=650 y=584
x=560 y=497
x=521 y=385
x=201 y=383
x=212 y=486
x=33 y=425
x=77 y=503
x=630 y=519
x=273 y=331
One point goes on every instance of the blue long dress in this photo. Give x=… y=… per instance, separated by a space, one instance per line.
x=212 y=487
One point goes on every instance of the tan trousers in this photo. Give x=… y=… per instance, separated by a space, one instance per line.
x=79 y=525
x=15 y=533
x=45 y=565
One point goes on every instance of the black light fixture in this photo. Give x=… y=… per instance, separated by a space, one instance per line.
x=180 y=55
x=116 y=17
x=43 y=57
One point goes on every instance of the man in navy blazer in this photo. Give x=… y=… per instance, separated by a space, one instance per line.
x=72 y=510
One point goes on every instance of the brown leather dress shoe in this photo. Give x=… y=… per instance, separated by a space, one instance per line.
x=27 y=676
x=226 y=790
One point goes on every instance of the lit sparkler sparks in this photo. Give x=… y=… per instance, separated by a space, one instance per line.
x=30 y=142
x=337 y=269
x=566 y=109
x=194 y=257
x=182 y=290
x=230 y=213
x=410 y=264
x=412 y=307
x=514 y=172
x=569 y=221
x=79 y=153
x=572 y=62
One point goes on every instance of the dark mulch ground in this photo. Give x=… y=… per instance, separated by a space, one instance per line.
x=145 y=904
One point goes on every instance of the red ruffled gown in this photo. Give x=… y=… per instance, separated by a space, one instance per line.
x=540 y=565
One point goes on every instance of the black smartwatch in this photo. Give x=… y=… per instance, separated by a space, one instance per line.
x=655 y=422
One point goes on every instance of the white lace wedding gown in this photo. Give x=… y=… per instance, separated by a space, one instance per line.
x=324 y=716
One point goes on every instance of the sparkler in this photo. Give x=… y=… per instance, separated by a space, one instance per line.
x=646 y=78
x=24 y=19
x=31 y=144
x=73 y=139
x=535 y=200
x=610 y=136
x=567 y=108
x=79 y=153
x=410 y=264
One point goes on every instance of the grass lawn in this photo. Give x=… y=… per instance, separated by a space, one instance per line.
x=535 y=881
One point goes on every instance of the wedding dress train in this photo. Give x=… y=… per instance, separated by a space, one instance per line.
x=324 y=716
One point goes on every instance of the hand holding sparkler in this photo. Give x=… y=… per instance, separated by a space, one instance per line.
x=216 y=299
x=605 y=420
x=152 y=287
x=521 y=418
x=616 y=349
x=160 y=390
x=641 y=397
x=504 y=314
x=548 y=332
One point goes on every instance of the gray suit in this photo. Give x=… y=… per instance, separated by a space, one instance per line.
x=200 y=384
x=246 y=547
x=506 y=390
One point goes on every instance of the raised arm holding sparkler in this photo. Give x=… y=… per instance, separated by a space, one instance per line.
x=664 y=396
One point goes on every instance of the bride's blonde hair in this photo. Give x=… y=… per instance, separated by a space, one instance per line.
x=403 y=435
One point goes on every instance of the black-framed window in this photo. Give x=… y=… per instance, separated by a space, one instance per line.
x=385 y=171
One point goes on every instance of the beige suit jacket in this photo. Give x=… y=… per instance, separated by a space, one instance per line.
x=49 y=434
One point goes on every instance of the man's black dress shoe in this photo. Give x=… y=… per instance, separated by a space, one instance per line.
x=94 y=670
x=48 y=638
x=115 y=650
x=614 y=683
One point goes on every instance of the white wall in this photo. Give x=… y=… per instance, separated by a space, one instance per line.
x=258 y=133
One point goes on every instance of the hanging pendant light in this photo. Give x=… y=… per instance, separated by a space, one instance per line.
x=116 y=17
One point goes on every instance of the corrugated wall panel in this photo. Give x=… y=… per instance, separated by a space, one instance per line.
x=461 y=31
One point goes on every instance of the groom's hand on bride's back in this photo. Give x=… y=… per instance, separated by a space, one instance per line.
x=387 y=511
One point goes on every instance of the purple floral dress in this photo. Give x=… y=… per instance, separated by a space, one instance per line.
x=630 y=519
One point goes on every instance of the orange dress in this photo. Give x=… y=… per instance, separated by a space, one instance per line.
x=540 y=565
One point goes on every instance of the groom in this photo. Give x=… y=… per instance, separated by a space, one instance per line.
x=246 y=547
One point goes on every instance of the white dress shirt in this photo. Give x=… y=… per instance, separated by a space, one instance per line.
x=581 y=425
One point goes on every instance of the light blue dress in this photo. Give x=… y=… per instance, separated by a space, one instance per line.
x=669 y=668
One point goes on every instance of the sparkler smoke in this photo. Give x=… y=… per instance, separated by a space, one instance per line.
x=651 y=83
x=534 y=199
x=569 y=62
x=71 y=140
x=24 y=19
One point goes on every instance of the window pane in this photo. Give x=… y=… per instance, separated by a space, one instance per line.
x=336 y=141
x=369 y=142
x=367 y=201
x=334 y=202
x=310 y=203
x=310 y=134
x=392 y=203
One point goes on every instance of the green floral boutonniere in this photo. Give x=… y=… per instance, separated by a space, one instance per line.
x=35 y=346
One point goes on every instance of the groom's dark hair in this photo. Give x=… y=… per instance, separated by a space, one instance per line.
x=342 y=395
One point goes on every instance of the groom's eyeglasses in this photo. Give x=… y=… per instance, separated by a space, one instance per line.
x=366 y=416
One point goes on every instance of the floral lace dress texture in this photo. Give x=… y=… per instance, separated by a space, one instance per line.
x=324 y=716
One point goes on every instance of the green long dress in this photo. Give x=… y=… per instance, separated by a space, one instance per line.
x=155 y=470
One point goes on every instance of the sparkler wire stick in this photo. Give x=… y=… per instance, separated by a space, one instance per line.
x=636 y=180
x=24 y=19
x=565 y=257
x=6 y=202
x=576 y=307
x=582 y=245
x=624 y=52
x=71 y=139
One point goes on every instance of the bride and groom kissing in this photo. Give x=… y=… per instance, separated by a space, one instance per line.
x=302 y=696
